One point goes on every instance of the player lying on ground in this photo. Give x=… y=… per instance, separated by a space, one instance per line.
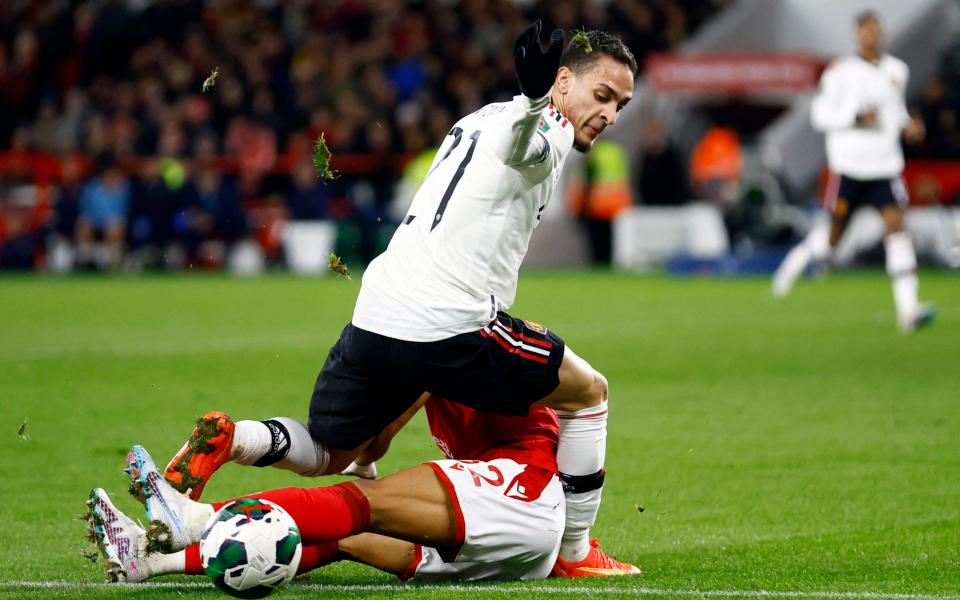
x=429 y=314
x=498 y=516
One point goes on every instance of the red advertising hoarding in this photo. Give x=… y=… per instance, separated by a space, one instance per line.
x=733 y=73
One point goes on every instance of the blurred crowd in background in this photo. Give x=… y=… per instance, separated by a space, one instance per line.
x=939 y=107
x=114 y=155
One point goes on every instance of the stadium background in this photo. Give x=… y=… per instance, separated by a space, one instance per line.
x=802 y=447
x=720 y=159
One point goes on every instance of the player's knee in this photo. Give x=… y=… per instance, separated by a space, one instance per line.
x=581 y=387
x=602 y=388
x=594 y=391
x=893 y=219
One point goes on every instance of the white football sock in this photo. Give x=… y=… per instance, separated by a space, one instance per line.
x=158 y=563
x=279 y=442
x=581 y=515
x=816 y=246
x=251 y=441
x=194 y=518
x=790 y=270
x=580 y=457
x=902 y=268
x=818 y=241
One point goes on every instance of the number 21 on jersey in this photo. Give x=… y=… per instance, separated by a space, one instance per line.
x=457 y=134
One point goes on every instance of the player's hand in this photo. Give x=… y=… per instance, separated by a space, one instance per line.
x=915 y=131
x=868 y=117
x=362 y=471
x=536 y=67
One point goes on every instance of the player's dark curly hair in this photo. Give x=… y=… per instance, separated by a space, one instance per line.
x=863 y=17
x=579 y=56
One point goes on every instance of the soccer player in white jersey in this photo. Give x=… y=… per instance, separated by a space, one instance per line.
x=429 y=316
x=861 y=109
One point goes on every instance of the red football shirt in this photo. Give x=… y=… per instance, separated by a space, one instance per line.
x=466 y=434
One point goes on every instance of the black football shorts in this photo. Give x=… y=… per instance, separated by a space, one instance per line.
x=849 y=194
x=368 y=380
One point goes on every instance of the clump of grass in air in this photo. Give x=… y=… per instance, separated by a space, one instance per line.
x=209 y=82
x=321 y=159
x=336 y=265
x=581 y=39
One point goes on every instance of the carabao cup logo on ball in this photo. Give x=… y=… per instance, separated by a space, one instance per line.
x=250 y=547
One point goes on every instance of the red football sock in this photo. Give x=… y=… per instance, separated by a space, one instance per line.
x=318 y=555
x=192 y=564
x=322 y=514
x=313 y=557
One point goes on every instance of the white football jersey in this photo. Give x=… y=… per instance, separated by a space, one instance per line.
x=849 y=86
x=455 y=258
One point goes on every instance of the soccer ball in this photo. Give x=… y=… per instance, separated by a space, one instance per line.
x=249 y=547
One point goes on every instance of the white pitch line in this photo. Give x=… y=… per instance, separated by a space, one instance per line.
x=502 y=589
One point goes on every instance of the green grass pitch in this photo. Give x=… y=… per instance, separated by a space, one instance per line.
x=793 y=446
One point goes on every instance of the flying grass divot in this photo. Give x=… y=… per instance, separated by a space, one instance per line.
x=321 y=159
x=336 y=265
x=581 y=39
x=209 y=82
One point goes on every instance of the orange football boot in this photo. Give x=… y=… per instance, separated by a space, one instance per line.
x=596 y=563
x=206 y=450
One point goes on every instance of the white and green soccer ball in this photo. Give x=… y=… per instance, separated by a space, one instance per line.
x=250 y=547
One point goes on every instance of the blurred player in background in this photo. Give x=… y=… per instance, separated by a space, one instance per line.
x=498 y=515
x=861 y=109
x=429 y=316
